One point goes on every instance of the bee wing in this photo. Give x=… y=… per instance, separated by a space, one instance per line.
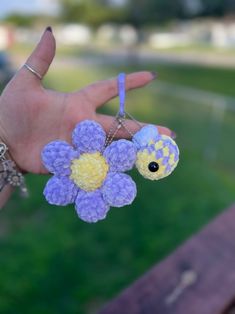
x=145 y=135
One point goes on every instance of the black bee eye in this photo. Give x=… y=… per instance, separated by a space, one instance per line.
x=153 y=166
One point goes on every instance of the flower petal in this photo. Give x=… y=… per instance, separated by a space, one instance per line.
x=88 y=136
x=60 y=191
x=119 y=189
x=120 y=155
x=57 y=156
x=90 y=206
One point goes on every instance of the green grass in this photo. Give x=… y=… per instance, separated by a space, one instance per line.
x=217 y=80
x=51 y=262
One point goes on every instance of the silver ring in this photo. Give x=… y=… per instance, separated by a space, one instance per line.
x=33 y=71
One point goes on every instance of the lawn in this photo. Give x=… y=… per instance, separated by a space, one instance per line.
x=51 y=262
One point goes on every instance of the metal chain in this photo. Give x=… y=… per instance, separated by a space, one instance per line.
x=126 y=128
x=112 y=131
x=132 y=118
x=118 y=123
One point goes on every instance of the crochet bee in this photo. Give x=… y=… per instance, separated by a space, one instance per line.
x=157 y=155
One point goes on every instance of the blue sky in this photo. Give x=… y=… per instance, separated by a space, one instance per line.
x=28 y=6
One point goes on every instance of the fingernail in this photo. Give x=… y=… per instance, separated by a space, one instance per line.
x=154 y=75
x=49 y=29
x=173 y=135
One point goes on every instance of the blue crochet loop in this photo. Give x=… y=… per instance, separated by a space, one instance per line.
x=122 y=93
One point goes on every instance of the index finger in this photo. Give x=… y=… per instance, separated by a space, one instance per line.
x=103 y=91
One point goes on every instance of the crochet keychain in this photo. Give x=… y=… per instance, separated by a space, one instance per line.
x=156 y=155
x=90 y=172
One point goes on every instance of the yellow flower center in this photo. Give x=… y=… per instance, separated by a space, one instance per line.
x=89 y=171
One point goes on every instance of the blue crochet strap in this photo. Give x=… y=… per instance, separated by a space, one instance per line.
x=122 y=93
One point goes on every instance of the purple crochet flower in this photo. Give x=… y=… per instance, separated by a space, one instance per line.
x=90 y=174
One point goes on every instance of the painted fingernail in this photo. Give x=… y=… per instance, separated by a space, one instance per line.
x=154 y=75
x=173 y=135
x=49 y=29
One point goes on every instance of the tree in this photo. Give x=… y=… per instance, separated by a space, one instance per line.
x=26 y=20
x=141 y=12
x=153 y=11
x=91 y=12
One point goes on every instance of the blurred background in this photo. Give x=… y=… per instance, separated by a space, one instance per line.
x=50 y=261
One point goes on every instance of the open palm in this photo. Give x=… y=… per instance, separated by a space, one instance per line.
x=31 y=116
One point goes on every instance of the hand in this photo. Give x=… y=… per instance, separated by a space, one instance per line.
x=31 y=116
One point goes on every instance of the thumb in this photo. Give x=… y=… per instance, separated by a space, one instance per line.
x=41 y=57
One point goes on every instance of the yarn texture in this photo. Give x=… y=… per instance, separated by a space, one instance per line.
x=154 y=148
x=89 y=174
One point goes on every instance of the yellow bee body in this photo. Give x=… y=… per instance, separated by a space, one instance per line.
x=157 y=155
